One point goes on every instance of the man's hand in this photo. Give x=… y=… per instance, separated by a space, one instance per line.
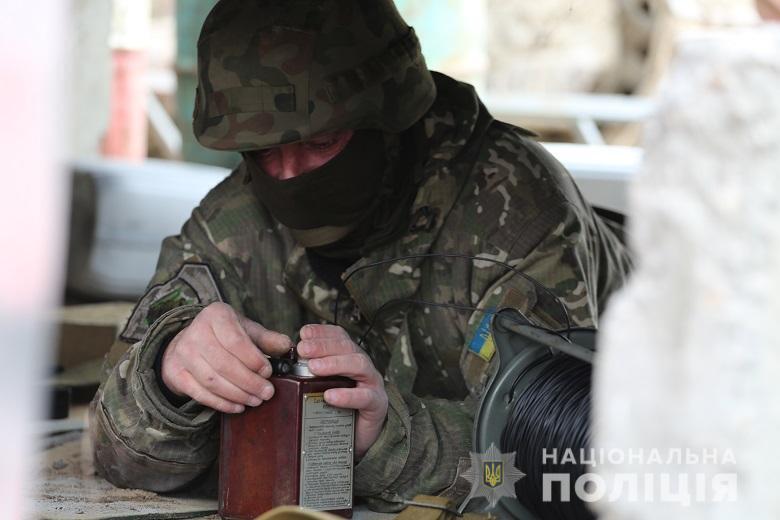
x=218 y=360
x=333 y=353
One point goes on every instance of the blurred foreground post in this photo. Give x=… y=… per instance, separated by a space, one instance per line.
x=687 y=400
x=89 y=98
x=32 y=225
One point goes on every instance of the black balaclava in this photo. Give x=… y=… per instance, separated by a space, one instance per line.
x=358 y=200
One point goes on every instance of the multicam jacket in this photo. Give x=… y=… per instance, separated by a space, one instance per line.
x=488 y=190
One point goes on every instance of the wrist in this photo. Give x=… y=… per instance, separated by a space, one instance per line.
x=164 y=381
x=361 y=451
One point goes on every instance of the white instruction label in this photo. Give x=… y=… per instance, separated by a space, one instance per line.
x=327 y=444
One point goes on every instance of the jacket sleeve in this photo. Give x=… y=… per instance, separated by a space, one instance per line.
x=425 y=443
x=417 y=452
x=140 y=439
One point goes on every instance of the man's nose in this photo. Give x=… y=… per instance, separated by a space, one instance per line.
x=291 y=163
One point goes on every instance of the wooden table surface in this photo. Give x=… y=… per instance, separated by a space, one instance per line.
x=68 y=489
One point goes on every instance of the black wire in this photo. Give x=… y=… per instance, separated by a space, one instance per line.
x=505 y=265
x=551 y=413
x=521 y=376
x=577 y=329
x=527 y=322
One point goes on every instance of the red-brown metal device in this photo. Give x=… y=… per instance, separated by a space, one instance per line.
x=292 y=450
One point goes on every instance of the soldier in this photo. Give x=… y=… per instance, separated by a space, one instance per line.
x=376 y=199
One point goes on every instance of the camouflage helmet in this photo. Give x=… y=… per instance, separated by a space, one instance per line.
x=278 y=71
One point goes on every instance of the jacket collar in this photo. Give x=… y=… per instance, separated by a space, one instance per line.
x=454 y=127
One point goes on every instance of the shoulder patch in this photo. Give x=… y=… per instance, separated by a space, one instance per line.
x=482 y=343
x=193 y=284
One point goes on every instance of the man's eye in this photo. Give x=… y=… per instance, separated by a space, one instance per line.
x=322 y=144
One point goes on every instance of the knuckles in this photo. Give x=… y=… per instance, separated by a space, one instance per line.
x=217 y=310
x=255 y=384
x=366 y=366
x=197 y=329
x=259 y=364
x=348 y=344
x=363 y=364
x=232 y=340
x=313 y=331
x=321 y=347
x=185 y=349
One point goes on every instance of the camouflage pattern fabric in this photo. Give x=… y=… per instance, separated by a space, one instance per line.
x=488 y=191
x=279 y=71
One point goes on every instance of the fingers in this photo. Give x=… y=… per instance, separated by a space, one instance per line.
x=228 y=331
x=200 y=394
x=354 y=366
x=225 y=388
x=230 y=368
x=332 y=352
x=323 y=331
x=329 y=346
x=325 y=340
x=366 y=400
x=219 y=356
x=246 y=339
x=270 y=342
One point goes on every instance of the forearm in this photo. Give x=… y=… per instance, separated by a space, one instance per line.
x=129 y=466
x=140 y=439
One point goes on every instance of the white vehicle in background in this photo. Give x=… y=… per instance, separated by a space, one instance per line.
x=119 y=216
x=122 y=211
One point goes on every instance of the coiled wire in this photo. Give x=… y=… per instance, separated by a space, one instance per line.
x=550 y=414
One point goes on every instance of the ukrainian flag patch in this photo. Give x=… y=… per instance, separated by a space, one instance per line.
x=482 y=344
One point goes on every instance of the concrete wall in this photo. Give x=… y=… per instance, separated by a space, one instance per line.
x=690 y=357
x=90 y=76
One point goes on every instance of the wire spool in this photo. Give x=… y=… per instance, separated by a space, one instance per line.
x=529 y=380
x=551 y=414
x=538 y=397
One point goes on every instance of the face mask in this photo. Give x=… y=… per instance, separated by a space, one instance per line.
x=324 y=205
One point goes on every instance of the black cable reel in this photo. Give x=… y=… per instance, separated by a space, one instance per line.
x=537 y=403
x=537 y=400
